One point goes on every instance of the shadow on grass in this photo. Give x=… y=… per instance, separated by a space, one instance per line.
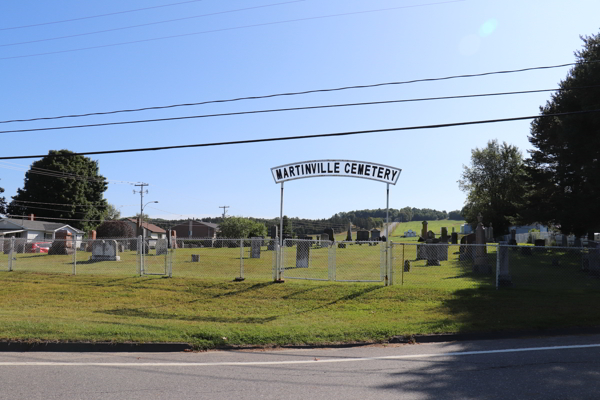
x=141 y=313
x=256 y=286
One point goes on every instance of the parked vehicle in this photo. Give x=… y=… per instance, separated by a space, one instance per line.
x=40 y=247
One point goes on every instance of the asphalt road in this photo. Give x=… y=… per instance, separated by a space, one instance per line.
x=536 y=368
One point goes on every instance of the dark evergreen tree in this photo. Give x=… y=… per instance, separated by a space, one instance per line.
x=71 y=183
x=564 y=168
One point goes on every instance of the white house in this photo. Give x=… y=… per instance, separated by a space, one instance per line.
x=35 y=231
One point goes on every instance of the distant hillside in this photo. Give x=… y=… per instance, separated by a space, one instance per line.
x=360 y=219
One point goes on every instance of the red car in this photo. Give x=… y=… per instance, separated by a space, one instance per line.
x=40 y=247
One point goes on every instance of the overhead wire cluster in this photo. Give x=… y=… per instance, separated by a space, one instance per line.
x=54 y=174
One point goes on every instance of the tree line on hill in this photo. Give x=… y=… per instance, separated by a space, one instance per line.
x=359 y=219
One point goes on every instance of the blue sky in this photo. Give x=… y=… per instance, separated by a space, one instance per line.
x=254 y=52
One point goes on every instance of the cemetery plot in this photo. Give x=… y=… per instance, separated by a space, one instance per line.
x=553 y=268
x=305 y=259
x=222 y=259
x=360 y=261
x=454 y=272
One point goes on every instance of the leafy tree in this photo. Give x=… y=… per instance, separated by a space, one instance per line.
x=564 y=168
x=239 y=227
x=455 y=215
x=114 y=229
x=2 y=202
x=494 y=185
x=72 y=183
x=111 y=212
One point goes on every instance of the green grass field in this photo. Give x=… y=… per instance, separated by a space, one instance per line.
x=202 y=306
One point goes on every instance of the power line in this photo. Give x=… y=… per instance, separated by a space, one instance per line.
x=58 y=174
x=318 y=91
x=148 y=24
x=324 y=135
x=63 y=219
x=228 y=29
x=99 y=15
x=69 y=204
x=281 y=110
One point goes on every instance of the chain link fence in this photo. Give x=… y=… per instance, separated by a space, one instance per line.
x=437 y=265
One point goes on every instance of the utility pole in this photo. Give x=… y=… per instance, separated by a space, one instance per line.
x=224 y=211
x=141 y=192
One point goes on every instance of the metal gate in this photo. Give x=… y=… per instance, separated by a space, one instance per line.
x=156 y=258
x=369 y=261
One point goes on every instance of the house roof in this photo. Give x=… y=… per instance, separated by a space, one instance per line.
x=11 y=224
x=148 y=226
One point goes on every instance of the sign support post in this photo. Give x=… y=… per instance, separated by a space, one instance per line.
x=280 y=256
x=336 y=168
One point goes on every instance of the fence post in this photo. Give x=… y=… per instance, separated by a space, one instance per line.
x=390 y=262
x=383 y=263
x=331 y=261
x=241 y=277
x=402 y=264
x=170 y=254
x=11 y=254
x=74 y=244
x=275 y=264
x=497 y=266
x=140 y=256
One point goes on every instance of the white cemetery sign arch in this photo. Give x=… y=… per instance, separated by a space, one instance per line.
x=335 y=168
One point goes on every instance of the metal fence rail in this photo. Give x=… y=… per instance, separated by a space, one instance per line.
x=440 y=265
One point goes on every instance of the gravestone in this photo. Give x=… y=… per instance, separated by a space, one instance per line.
x=273 y=231
x=430 y=235
x=454 y=237
x=105 y=250
x=362 y=236
x=63 y=243
x=594 y=260
x=375 y=234
x=430 y=251
x=565 y=241
x=466 y=252
x=424 y=230
x=577 y=242
x=330 y=233
x=271 y=245
x=173 y=241
x=302 y=254
x=513 y=237
x=90 y=236
x=287 y=239
x=590 y=236
x=255 y=245
x=540 y=242
x=442 y=251
x=341 y=245
x=161 y=247
x=406 y=265
x=504 y=278
x=349 y=235
x=444 y=236
x=481 y=264
x=195 y=257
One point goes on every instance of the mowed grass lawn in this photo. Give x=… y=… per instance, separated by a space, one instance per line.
x=208 y=312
